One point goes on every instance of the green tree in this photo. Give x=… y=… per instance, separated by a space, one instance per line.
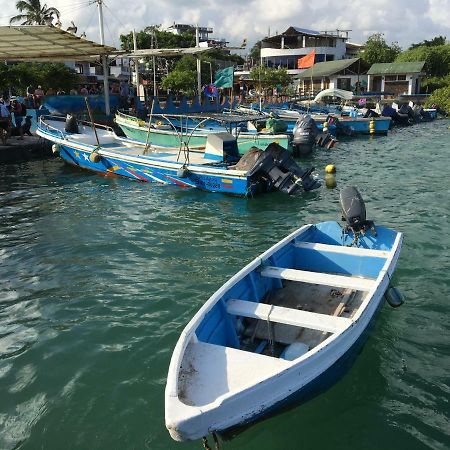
x=20 y=75
x=437 y=58
x=152 y=37
x=255 y=52
x=182 y=82
x=33 y=13
x=270 y=77
x=440 y=97
x=376 y=50
x=436 y=41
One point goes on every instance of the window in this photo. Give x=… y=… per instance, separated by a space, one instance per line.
x=79 y=68
x=344 y=83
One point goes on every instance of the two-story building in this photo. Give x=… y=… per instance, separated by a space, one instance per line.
x=285 y=49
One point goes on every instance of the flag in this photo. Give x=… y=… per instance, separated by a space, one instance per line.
x=224 y=78
x=307 y=61
x=210 y=91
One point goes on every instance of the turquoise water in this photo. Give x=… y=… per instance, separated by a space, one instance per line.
x=99 y=275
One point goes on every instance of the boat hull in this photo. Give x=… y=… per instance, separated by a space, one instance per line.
x=318 y=386
x=112 y=165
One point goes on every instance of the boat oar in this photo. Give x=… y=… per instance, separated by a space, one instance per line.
x=94 y=156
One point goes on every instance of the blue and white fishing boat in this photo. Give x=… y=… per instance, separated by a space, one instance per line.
x=215 y=167
x=284 y=327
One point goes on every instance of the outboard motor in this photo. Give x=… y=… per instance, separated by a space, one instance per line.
x=277 y=166
x=304 y=135
x=354 y=213
x=397 y=117
x=71 y=125
x=371 y=113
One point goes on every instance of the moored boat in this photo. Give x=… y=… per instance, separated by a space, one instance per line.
x=283 y=328
x=216 y=167
x=164 y=130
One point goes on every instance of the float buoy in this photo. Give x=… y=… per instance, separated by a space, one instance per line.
x=182 y=172
x=94 y=157
x=331 y=168
x=55 y=148
x=330 y=181
x=394 y=297
x=372 y=126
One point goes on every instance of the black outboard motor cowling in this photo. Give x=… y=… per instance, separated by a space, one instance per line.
x=277 y=165
x=304 y=135
x=354 y=211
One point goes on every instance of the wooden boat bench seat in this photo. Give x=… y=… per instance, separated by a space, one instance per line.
x=343 y=249
x=288 y=316
x=326 y=279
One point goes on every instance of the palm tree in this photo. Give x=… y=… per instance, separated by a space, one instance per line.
x=33 y=13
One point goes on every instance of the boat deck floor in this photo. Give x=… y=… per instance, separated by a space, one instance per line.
x=342 y=302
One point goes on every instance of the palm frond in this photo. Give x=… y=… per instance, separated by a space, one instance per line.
x=18 y=18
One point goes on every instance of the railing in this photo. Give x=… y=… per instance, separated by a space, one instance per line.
x=59 y=132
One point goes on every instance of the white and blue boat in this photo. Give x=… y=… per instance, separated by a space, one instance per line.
x=216 y=166
x=283 y=328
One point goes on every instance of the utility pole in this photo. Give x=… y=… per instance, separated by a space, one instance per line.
x=104 y=59
x=153 y=45
x=199 y=70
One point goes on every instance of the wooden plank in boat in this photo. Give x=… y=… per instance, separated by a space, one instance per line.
x=341 y=249
x=304 y=276
x=288 y=316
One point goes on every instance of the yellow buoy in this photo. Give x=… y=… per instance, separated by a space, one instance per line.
x=372 y=126
x=331 y=168
x=330 y=181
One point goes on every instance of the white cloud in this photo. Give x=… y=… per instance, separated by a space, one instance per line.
x=403 y=21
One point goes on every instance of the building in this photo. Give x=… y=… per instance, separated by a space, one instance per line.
x=341 y=74
x=284 y=50
x=396 y=78
x=180 y=28
x=205 y=40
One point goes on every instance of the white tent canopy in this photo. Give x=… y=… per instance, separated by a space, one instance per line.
x=43 y=42
x=346 y=95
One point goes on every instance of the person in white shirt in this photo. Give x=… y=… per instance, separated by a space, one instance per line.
x=5 y=122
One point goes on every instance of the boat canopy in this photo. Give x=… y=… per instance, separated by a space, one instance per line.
x=332 y=92
x=46 y=43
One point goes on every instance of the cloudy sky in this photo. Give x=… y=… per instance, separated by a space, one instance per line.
x=403 y=21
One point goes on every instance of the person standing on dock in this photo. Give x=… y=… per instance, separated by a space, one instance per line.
x=5 y=122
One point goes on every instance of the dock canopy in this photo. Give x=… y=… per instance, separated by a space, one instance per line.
x=334 y=92
x=43 y=42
